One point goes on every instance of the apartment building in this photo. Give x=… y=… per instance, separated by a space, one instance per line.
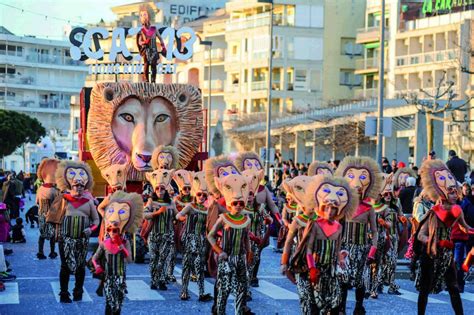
x=38 y=78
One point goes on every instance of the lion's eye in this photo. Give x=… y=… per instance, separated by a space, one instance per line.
x=340 y=193
x=327 y=190
x=227 y=187
x=127 y=117
x=111 y=210
x=119 y=173
x=161 y=118
x=121 y=211
x=244 y=186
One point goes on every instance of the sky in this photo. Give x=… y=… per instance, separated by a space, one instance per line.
x=27 y=23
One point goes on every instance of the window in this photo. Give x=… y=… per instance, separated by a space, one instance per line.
x=300 y=83
x=3 y=49
x=350 y=48
x=246 y=44
x=348 y=78
x=19 y=51
x=315 y=84
x=11 y=50
x=76 y=123
x=275 y=105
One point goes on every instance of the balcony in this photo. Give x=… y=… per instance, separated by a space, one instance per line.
x=19 y=104
x=232 y=58
x=259 y=85
x=32 y=82
x=254 y=21
x=366 y=93
x=233 y=88
x=216 y=85
x=370 y=34
x=216 y=54
x=367 y=65
x=428 y=57
x=45 y=59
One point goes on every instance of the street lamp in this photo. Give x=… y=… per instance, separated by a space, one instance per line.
x=208 y=43
x=269 y=107
x=378 y=155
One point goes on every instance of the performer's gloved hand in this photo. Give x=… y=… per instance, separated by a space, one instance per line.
x=87 y=232
x=257 y=240
x=468 y=261
x=160 y=211
x=223 y=256
x=314 y=275
x=402 y=219
x=98 y=268
x=382 y=222
x=446 y=244
x=284 y=269
x=371 y=256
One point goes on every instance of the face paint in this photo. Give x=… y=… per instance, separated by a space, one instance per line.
x=331 y=200
x=117 y=214
x=359 y=179
x=446 y=184
x=226 y=170
x=252 y=164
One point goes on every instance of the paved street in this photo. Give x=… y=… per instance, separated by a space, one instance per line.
x=35 y=291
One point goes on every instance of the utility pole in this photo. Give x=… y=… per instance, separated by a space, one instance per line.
x=381 y=87
x=269 y=107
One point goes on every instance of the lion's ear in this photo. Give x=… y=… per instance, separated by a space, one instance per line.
x=219 y=183
x=261 y=175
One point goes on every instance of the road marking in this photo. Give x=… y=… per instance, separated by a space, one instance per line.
x=411 y=296
x=465 y=296
x=10 y=295
x=275 y=292
x=138 y=290
x=194 y=288
x=56 y=288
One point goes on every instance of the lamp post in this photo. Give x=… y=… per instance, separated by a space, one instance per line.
x=208 y=43
x=381 y=87
x=269 y=107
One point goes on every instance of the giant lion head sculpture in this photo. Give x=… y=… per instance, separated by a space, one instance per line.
x=127 y=121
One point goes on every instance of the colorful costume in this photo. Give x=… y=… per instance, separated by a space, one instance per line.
x=235 y=243
x=433 y=248
x=149 y=44
x=260 y=220
x=297 y=271
x=160 y=212
x=45 y=196
x=123 y=213
x=362 y=173
x=194 y=237
x=332 y=199
x=78 y=218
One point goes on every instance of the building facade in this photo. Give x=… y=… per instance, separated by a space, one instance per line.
x=38 y=78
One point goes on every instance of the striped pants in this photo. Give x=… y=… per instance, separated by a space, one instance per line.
x=193 y=261
x=159 y=246
x=232 y=277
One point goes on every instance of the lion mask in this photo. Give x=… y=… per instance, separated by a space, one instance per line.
x=116 y=176
x=124 y=211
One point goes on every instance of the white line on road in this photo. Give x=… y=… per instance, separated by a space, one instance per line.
x=465 y=296
x=10 y=295
x=56 y=288
x=138 y=290
x=411 y=296
x=275 y=292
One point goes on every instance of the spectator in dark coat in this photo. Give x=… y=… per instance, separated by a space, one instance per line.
x=386 y=168
x=457 y=166
x=406 y=195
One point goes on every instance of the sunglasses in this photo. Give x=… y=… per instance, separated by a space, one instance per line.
x=236 y=203
x=201 y=194
x=113 y=229
x=186 y=188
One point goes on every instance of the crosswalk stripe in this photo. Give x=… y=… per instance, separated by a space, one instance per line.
x=56 y=288
x=10 y=295
x=465 y=296
x=208 y=288
x=275 y=292
x=411 y=296
x=138 y=290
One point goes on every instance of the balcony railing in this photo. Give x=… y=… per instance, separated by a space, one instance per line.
x=428 y=57
x=53 y=59
x=42 y=104
x=216 y=85
x=32 y=80
x=366 y=93
x=216 y=54
x=232 y=58
x=16 y=79
x=369 y=63
x=369 y=34
x=259 y=85
x=250 y=22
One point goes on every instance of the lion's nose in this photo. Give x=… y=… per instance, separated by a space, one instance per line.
x=144 y=157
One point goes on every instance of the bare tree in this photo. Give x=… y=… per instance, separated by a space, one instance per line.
x=433 y=104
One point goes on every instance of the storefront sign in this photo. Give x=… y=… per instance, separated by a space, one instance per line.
x=88 y=46
x=437 y=6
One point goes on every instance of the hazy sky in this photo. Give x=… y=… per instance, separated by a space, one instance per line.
x=87 y=11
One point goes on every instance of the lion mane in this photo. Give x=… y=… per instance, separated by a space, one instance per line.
x=365 y=162
x=317 y=181
x=60 y=175
x=315 y=165
x=165 y=149
x=242 y=156
x=135 y=202
x=428 y=182
x=210 y=167
x=106 y=98
x=400 y=171
x=45 y=163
